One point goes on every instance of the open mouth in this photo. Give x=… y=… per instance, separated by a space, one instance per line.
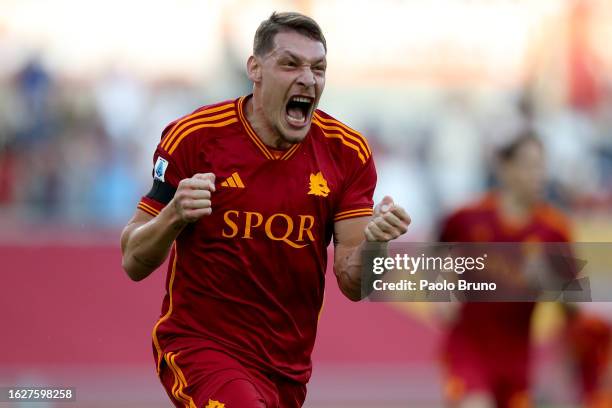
x=298 y=110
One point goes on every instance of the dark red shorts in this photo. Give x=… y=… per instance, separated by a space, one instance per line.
x=204 y=378
x=471 y=371
x=589 y=340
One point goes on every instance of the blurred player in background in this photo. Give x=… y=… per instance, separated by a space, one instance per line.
x=487 y=349
x=246 y=197
x=588 y=338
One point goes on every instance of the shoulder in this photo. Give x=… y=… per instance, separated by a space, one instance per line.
x=486 y=203
x=555 y=220
x=476 y=209
x=339 y=136
x=467 y=221
x=199 y=122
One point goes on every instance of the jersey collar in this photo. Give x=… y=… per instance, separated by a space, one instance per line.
x=255 y=139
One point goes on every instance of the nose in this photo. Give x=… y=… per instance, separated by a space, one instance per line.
x=306 y=78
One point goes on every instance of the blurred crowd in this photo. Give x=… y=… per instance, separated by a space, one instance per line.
x=78 y=152
x=445 y=159
x=75 y=151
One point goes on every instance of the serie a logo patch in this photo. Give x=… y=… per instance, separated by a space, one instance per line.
x=160 y=168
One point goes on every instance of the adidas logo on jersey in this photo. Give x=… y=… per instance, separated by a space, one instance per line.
x=233 y=181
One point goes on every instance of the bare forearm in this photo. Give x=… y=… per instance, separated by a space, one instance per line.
x=146 y=241
x=146 y=245
x=353 y=236
x=348 y=267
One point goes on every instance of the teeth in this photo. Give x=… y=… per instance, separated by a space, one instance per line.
x=300 y=99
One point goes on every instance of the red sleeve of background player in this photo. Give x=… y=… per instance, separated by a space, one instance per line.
x=171 y=164
x=451 y=227
x=471 y=223
x=558 y=230
x=358 y=190
x=556 y=223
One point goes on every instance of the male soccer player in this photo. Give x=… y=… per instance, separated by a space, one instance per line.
x=588 y=338
x=487 y=349
x=246 y=197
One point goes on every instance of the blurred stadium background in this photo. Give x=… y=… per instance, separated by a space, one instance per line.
x=435 y=85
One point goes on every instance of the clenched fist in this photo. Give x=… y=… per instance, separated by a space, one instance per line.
x=388 y=222
x=192 y=199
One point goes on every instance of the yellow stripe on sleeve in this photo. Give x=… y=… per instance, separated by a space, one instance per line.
x=352 y=211
x=148 y=209
x=344 y=142
x=193 y=129
x=349 y=133
x=351 y=214
x=168 y=139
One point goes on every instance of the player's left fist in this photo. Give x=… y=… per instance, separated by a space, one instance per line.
x=388 y=222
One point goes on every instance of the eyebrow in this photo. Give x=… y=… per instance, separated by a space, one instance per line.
x=297 y=57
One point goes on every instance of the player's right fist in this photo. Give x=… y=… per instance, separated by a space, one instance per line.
x=192 y=199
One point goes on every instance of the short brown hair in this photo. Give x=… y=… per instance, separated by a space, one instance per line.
x=288 y=21
x=508 y=152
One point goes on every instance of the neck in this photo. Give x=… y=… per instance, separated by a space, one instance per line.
x=513 y=207
x=264 y=131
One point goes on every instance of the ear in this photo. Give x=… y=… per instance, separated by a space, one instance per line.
x=254 y=69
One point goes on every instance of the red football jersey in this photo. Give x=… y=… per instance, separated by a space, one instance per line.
x=249 y=279
x=501 y=329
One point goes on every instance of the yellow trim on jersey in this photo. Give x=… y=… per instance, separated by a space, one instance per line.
x=264 y=149
x=152 y=214
x=195 y=121
x=351 y=133
x=361 y=148
x=180 y=380
x=193 y=129
x=364 y=214
x=168 y=313
x=166 y=141
x=353 y=213
x=250 y=131
x=183 y=380
x=355 y=210
x=148 y=209
x=290 y=152
x=177 y=382
x=362 y=153
x=321 y=308
x=344 y=142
